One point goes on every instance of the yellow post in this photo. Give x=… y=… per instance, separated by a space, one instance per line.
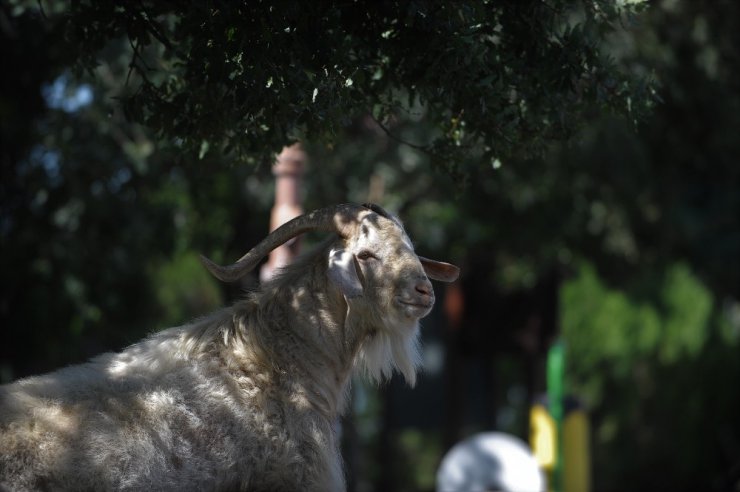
x=576 y=452
x=543 y=439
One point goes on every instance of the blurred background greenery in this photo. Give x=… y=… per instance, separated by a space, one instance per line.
x=107 y=195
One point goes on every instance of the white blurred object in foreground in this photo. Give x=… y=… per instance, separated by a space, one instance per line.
x=490 y=461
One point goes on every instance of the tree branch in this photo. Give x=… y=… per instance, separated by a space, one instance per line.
x=396 y=138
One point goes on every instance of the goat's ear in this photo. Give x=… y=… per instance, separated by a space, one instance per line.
x=437 y=270
x=343 y=274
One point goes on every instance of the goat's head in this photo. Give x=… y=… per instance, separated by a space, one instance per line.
x=366 y=230
x=373 y=264
x=377 y=263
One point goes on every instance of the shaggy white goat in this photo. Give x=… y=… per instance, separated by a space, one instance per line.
x=244 y=398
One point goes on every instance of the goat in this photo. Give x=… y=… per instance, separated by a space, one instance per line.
x=245 y=398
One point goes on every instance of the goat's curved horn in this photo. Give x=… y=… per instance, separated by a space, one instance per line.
x=338 y=218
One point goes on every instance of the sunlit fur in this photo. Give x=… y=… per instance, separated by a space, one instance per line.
x=243 y=399
x=386 y=351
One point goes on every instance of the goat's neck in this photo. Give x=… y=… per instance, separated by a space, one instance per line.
x=324 y=348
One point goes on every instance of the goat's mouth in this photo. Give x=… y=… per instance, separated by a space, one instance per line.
x=416 y=308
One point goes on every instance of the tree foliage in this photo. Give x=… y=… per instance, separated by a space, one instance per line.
x=653 y=371
x=492 y=79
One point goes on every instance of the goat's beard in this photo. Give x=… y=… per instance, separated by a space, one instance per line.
x=394 y=349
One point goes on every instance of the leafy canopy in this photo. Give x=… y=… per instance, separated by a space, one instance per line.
x=491 y=79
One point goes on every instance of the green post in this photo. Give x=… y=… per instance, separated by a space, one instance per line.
x=555 y=394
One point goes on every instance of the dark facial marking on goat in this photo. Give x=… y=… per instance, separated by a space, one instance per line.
x=377 y=209
x=358 y=270
x=373 y=218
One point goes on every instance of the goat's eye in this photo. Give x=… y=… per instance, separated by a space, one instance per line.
x=366 y=255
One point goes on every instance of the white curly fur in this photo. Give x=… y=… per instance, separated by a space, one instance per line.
x=244 y=399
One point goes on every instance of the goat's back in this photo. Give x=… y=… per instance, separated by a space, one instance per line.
x=173 y=412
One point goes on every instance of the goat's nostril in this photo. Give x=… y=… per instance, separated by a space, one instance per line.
x=424 y=288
